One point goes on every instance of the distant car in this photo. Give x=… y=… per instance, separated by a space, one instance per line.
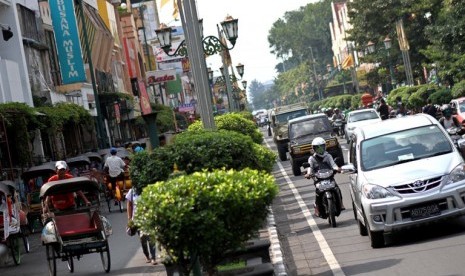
x=405 y=172
x=458 y=108
x=358 y=118
x=302 y=131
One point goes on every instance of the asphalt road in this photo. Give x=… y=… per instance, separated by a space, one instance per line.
x=311 y=247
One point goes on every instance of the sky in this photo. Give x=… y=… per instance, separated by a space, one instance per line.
x=256 y=18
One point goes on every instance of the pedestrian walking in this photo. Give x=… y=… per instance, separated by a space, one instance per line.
x=383 y=110
x=147 y=243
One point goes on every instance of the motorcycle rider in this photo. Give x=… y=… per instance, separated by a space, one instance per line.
x=321 y=159
x=448 y=121
x=338 y=116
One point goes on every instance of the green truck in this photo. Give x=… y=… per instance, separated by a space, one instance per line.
x=279 y=117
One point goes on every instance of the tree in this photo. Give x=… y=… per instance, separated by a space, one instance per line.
x=300 y=30
x=373 y=20
x=447 y=39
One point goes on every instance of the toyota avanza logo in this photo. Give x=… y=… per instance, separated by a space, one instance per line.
x=418 y=186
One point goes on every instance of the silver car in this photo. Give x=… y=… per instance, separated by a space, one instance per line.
x=404 y=172
x=358 y=118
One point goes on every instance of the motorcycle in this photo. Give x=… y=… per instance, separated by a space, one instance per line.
x=338 y=127
x=454 y=134
x=329 y=204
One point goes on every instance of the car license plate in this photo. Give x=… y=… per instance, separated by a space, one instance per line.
x=425 y=211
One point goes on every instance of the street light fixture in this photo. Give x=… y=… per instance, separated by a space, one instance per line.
x=387 y=43
x=240 y=69
x=244 y=84
x=211 y=44
x=371 y=47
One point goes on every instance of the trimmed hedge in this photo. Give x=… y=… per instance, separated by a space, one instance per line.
x=205 y=214
x=235 y=122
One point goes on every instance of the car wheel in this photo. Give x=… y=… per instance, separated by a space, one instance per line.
x=296 y=168
x=376 y=237
x=282 y=153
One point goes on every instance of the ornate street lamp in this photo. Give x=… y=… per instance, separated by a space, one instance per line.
x=387 y=43
x=244 y=84
x=240 y=69
x=211 y=44
x=371 y=47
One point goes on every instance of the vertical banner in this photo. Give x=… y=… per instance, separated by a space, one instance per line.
x=117 y=113
x=144 y=99
x=67 y=41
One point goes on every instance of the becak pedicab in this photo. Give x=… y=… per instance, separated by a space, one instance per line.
x=34 y=178
x=10 y=229
x=73 y=230
x=122 y=185
x=19 y=211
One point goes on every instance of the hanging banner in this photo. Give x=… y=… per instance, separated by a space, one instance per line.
x=144 y=99
x=117 y=113
x=67 y=41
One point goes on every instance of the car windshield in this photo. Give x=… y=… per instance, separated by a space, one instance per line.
x=361 y=116
x=404 y=146
x=285 y=117
x=309 y=127
x=462 y=106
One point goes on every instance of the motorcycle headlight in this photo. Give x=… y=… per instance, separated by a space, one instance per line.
x=457 y=174
x=372 y=191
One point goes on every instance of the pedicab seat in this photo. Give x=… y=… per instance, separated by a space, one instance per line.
x=76 y=224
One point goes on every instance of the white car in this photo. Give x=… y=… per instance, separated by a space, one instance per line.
x=404 y=172
x=358 y=118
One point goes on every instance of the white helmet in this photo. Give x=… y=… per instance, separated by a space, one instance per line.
x=319 y=146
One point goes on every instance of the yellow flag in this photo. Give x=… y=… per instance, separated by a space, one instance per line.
x=348 y=62
x=164 y=2
x=175 y=10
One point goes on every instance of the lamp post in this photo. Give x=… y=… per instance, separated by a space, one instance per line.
x=387 y=46
x=198 y=47
x=223 y=81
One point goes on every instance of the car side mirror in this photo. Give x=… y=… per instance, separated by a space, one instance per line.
x=348 y=169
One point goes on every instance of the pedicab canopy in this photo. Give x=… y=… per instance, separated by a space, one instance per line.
x=68 y=186
x=44 y=170
x=94 y=156
x=367 y=99
x=10 y=185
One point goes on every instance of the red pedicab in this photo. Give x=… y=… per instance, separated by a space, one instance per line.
x=69 y=234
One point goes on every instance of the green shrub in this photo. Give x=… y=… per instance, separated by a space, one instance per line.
x=419 y=98
x=205 y=214
x=441 y=96
x=205 y=149
x=246 y=114
x=151 y=167
x=234 y=122
x=458 y=90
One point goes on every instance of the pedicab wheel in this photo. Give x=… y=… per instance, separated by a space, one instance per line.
x=27 y=247
x=120 y=206
x=105 y=256
x=51 y=260
x=70 y=263
x=14 y=248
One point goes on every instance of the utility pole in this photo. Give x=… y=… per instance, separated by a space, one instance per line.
x=320 y=96
x=101 y=135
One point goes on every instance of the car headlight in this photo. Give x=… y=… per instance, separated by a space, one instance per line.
x=371 y=191
x=297 y=150
x=457 y=174
x=350 y=128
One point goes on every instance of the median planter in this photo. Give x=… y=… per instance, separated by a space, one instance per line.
x=203 y=215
